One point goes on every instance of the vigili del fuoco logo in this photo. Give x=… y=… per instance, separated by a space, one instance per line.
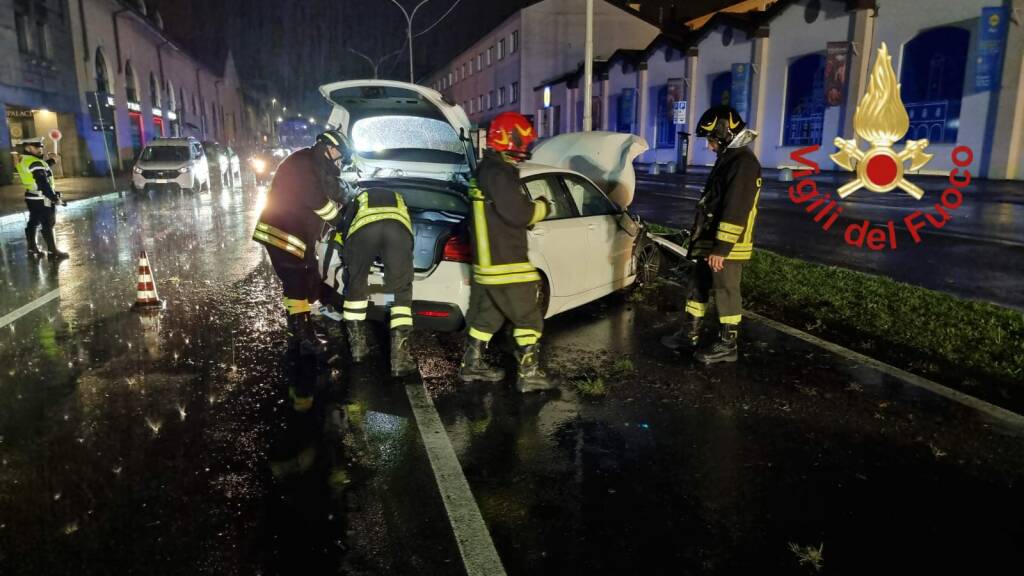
x=881 y=121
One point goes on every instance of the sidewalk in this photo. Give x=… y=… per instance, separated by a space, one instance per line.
x=12 y=197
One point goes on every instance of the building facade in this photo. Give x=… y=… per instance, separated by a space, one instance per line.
x=498 y=72
x=797 y=69
x=38 y=92
x=136 y=84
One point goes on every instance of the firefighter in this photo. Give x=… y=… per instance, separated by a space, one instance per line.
x=722 y=237
x=505 y=284
x=300 y=202
x=376 y=224
x=41 y=197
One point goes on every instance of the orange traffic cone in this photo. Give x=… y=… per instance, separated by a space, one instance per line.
x=146 y=298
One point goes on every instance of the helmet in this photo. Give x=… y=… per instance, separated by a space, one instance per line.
x=29 y=142
x=511 y=132
x=338 y=140
x=720 y=123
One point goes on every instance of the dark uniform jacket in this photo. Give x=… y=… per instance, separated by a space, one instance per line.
x=725 y=215
x=502 y=211
x=372 y=205
x=301 y=198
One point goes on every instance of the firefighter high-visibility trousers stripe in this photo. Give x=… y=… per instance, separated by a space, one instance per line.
x=482 y=336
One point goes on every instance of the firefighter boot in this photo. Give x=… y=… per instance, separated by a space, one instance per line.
x=530 y=377
x=303 y=339
x=474 y=367
x=30 y=237
x=51 y=245
x=402 y=363
x=357 y=340
x=687 y=335
x=723 y=350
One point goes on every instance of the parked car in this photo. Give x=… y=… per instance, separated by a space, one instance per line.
x=263 y=163
x=226 y=169
x=172 y=163
x=407 y=138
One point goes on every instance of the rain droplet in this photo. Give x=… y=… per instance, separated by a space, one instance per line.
x=71 y=528
x=154 y=425
x=181 y=412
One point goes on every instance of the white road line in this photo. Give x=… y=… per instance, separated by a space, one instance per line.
x=475 y=545
x=1001 y=414
x=8 y=318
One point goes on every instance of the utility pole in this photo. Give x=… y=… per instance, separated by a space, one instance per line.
x=588 y=71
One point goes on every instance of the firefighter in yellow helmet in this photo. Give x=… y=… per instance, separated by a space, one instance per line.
x=36 y=175
x=505 y=284
x=302 y=199
x=722 y=238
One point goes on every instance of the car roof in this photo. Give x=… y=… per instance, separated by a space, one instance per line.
x=171 y=142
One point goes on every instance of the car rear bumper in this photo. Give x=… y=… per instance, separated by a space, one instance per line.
x=434 y=316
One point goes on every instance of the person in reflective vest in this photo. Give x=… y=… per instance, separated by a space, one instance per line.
x=722 y=238
x=505 y=284
x=41 y=197
x=303 y=198
x=376 y=224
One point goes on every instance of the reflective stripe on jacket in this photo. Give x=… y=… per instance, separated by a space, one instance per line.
x=370 y=206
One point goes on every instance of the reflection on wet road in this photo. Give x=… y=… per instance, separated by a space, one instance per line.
x=171 y=443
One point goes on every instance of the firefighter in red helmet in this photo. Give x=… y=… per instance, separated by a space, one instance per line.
x=505 y=284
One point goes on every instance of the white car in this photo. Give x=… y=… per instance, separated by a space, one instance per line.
x=407 y=138
x=172 y=163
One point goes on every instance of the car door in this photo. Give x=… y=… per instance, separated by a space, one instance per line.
x=558 y=243
x=609 y=248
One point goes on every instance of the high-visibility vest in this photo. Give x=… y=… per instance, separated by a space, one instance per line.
x=27 y=167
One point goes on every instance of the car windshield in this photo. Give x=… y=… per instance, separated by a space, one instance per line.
x=165 y=153
x=409 y=138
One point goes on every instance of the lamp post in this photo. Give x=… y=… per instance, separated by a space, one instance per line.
x=408 y=31
x=588 y=70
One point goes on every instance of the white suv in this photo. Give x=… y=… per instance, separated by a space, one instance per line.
x=172 y=162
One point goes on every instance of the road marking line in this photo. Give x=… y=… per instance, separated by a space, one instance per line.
x=475 y=545
x=8 y=318
x=991 y=410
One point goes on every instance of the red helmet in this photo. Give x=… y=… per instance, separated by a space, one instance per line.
x=510 y=132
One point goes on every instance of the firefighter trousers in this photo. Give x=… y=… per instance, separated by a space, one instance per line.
x=491 y=306
x=299 y=278
x=390 y=241
x=723 y=286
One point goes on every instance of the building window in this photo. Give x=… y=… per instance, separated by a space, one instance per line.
x=515 y=93
x=514 y=42
x=102 y=80
x=501 y=49
x=490 y=52
x=479 y=61
x=480 y=103
x=932 y=82
x=131 y=85
x=449 y=79
x=472 y=107
x=666 y=135
x=154 y=94
x=43 y=32
x=490 y=100
x=463 y=71
x=501 y=96
x=805 y=101
x=721 y=89
x=22 y=16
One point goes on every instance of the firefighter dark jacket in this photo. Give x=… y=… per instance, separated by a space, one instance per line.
x=502 y=211
x=372 y=205
x=300 y=201
x=725 y=215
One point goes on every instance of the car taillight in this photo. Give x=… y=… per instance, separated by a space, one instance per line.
x=457 y=249
x=433 y=313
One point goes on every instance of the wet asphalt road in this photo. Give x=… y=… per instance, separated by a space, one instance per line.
x=168 y=444
x=977 y=254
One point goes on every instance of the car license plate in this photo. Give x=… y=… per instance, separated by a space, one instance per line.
x=160 y=181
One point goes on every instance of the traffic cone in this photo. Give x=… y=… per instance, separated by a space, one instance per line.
x=146 y=298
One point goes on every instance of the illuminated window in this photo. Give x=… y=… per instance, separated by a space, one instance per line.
x=805 y=101
x=932 y=82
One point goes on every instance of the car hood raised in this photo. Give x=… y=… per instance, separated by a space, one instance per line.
x=604 y=157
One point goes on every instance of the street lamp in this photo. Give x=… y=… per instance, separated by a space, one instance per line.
x=279 y=119
x=408 y=30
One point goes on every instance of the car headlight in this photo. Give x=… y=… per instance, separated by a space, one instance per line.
x=138 y=170
x=258 y=165
x=183 y=169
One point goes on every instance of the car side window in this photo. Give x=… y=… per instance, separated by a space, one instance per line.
x=549 y=187
x=588 y=199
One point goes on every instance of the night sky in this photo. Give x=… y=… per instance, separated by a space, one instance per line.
x=288 y=48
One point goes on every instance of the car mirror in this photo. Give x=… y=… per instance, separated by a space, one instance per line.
x=628 y=224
